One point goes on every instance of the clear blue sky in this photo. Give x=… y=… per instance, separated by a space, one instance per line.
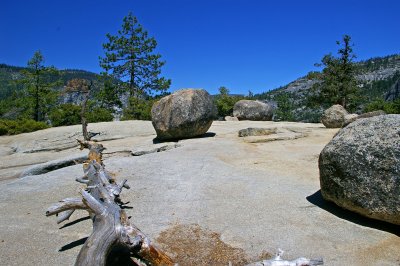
x=244 y=45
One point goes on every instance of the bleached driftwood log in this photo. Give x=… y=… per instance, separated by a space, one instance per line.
x=278 y=261
x=111 y=226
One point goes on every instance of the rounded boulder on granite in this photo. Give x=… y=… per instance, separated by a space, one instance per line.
x=360 y=168
x=252 y=110
x=183 y=114
x=334 y=116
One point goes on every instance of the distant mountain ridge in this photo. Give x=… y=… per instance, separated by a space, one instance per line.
x=9 y=73
x=371 y=70
x=378 y=78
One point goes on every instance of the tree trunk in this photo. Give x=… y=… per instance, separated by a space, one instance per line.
x=111 y=226
x=36 y=115
x=83 y=117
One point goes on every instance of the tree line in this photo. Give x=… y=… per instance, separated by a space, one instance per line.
x=130 y=66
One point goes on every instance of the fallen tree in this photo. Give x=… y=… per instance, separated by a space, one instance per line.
x=111 y=226
x=113 y=235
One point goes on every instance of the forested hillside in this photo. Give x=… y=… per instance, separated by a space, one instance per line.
x=376 y=77
x=9 y=75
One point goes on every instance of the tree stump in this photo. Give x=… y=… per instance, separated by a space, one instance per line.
x=111 y=226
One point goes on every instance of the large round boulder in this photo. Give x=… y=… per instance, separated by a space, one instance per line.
x=360 y=168
x=252 y=110
x=183 y=114
x=334 y=117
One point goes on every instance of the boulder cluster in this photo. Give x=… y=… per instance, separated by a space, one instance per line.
x=359 y=168
x=189 y=113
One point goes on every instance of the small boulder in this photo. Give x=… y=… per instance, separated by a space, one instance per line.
x=231 y=118
x=353 y=117
x=350 y=118
x=183 y=114
x=360 y=168
x=333 y=117
x=252 y=110
x=255 y=131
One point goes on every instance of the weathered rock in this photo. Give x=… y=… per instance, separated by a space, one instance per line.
x=360 y=168
x=333 y=117
x=255 y=131
x=231 y=118
x=252 y=110
x=43 y=168
x=349 y=119
x=394 y=92
x=183 y=114
x=353 y=117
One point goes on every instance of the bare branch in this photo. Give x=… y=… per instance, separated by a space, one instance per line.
x=84 y=179
x=92 y=203
x=66 y=204
x=63 y=216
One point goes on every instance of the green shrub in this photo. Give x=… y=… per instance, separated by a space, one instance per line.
x=66 y=115
x=13 y=127
x=380 y=104
x=225 y=102
x=138 y=109
x=285 y=107
x=70 y=114
x=99 y=114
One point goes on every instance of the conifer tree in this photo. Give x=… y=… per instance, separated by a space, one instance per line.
x=39 y=84
x=130 y=57
x=338 y=83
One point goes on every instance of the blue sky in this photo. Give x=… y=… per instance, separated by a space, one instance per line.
x=244 y=45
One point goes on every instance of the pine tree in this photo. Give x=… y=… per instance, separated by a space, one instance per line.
x=338 y=83
x=130 y=57
x=39 y=84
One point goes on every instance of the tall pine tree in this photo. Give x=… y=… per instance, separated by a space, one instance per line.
x=39 y=84
x=130 y=57
x=338 y=83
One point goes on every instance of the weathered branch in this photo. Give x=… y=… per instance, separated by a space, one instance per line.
x=111 y=226
x=65 y=215
x=65 y=205
x=93 y=204
x=83 y=179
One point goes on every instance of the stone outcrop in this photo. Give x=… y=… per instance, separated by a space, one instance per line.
x=350 y=118
x=231 y=118
x=255 y=131
x=360 y=168
x=252 y=110
x=333 y=117
x=183 y=114
x=394 y=92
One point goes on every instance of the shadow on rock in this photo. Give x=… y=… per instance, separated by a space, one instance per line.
x=350 y=216
x=73 y=244
x=206 y=135
x=75 y=222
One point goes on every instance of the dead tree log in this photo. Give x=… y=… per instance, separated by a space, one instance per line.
x=111 y=225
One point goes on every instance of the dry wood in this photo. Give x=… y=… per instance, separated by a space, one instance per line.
x=111 y=226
